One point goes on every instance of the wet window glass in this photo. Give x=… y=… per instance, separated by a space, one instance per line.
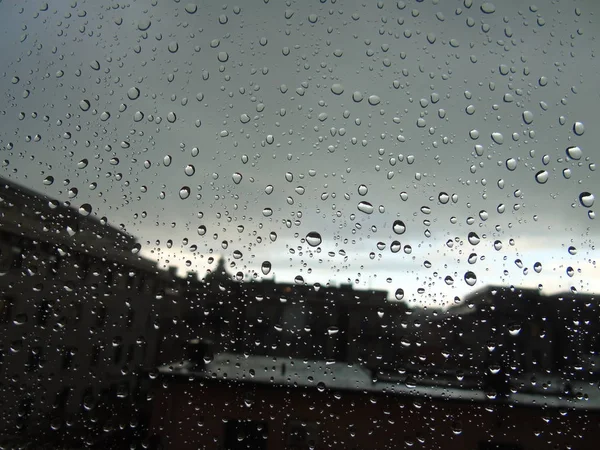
x=285 y=224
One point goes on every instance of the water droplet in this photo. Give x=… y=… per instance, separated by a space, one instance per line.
x=578 y=128
x=572 y=250
x=223 y=57
x=443 y=198
x=487 y=8
x=133 y=93
x=374 y=100
x=514 y=329
x=265 y=267
x=570 y=271
x=537 y=267
x=144 y=24
x=244 y=118
x=357 y=96
x=20 y=319
x=84 y=105
x=332 y=330
x=82 y=164
x=167 y=160
x=527 y=117
x=395 y=246
x=313 y=239
x=473 y=238
x=189 y=170
x=449 y=280
x=104 y=116
x=470 y=278
x=337 y=88
x=269 y=189
x=267 y=212
x=399 y=227
x=498 y=245
x=85 y=209
x=363 y=190
x=173 y=47
x=574 y=153
x=498 y=138
x=191 y=8
x=49 y=180
x=171 y=117
x=201 y=230
x=365 y=207
x=95 y=65
x=542 y=176
x=399 y=294
x=511 y=164
x=184 y=192
x=586 y=199
x=237 y=177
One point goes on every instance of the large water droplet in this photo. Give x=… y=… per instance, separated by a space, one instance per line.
x=498 y=138
x=85 y=209
x=470 y=278
x=167 y=160
x=374 y=100
x=265 y=267
x=511 y=164
x=237 y=177
x=542 y=176
x=337 y=89
x=184 y=192
x=363 y=190
x=487 y=8
x=574 y=153
x=473 y=238
x=313 y=239
x=578 y=128
x=399 y=227
x=189 y=170
x=586 y=199
x=365 y=207
x=191 y=8
x=267 y=212
x=84 y=105
x=399 y=294
x=133 y=93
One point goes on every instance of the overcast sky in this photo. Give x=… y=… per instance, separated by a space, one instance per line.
x=279 y=118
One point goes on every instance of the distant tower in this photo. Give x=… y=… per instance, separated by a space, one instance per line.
x=219 y=274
